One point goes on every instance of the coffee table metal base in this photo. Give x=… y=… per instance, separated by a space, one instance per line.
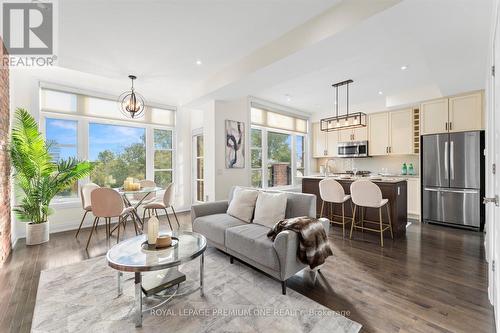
x=155 y=291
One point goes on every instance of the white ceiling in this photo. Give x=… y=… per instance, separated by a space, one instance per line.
x=444 y=43
x=160 y=41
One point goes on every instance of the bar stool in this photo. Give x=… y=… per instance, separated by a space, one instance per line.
x=165 y=203
x=365 y=193
x=107 y=203
x=85 y=191
x=332 y=192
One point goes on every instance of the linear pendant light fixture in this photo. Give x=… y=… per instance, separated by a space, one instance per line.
x=348 y=120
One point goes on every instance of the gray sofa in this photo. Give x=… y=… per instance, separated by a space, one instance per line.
x=249 y=242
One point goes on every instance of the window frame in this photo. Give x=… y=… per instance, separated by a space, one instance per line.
x=83 y=142
x=293 y=160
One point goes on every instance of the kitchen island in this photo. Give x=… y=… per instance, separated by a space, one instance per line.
x=393 y=189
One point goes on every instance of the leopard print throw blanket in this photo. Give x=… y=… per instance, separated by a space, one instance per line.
x=313 y=246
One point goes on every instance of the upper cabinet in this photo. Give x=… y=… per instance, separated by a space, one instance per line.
x=465 y=112
x=378 y=141
x=324 y=143
x=353 y=134
x=401 y=132
x=391 y=133
x=434 y=116
x=454 y=114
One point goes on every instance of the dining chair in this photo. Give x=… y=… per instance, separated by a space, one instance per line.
x=332 y=192
x=165 y=203
x=85 y=191
x=145 y=198
x=108 y=203
x=365 y=193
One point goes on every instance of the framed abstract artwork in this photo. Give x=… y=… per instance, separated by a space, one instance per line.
x=235 y=144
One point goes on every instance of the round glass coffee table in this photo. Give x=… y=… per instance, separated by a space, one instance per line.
x=130 y=256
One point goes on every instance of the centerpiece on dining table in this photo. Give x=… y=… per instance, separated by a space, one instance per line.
x=131 y=185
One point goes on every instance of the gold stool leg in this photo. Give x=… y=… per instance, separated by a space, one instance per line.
x=390 y=221
x=322 y=206
x=343 y=221
x=353 y=220
x=381 y=227
x=363 y=211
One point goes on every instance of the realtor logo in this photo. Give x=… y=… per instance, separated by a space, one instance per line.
x=28 y=28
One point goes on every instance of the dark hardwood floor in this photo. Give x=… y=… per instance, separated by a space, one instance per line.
x=435 y=280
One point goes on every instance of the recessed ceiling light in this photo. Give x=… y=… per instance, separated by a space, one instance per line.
x=404 y=67
x=380 y=92
x=288 y=98
x=198 y=62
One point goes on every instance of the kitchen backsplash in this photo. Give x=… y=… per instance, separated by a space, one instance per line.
x=375 y=164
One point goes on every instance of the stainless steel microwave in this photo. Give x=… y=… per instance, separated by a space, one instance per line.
x=352 y=149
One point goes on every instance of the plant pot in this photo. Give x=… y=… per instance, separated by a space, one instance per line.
x=37 y=233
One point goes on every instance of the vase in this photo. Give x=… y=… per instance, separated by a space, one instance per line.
x=37 y=233
x=153 y=230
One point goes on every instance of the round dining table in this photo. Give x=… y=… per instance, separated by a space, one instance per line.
x=144 y=192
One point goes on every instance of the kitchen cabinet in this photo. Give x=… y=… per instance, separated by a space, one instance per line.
x=434 y=116
x=465 y=112
x=319 y=141
x=401 y=132
x=324 y=143
x=332 y=139
x=414 y=197
x=454 y=114
x=378 y=139
x=353 y=134
x=391 y=133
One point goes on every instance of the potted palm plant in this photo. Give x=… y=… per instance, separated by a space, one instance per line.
x=38 y=177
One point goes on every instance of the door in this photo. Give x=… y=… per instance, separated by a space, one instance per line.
x=465 y=156
x=452 y=206
x=466 y=112
x=435 y=160
x=492 y=226
x=198 y=169
x=434 y=117
x=401 y=132
x=378 y=137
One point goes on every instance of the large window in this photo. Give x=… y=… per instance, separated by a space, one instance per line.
x=118 y=151
x=277 y=147
x=256 y=157
x=93 y=128
x=163 y=157
x=62 y=138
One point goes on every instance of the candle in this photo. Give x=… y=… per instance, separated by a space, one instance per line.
x=153 y=230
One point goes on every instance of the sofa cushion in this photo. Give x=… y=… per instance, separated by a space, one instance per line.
x=243 y=204
x=251 y=241
x=213 y=226
x=270 y=208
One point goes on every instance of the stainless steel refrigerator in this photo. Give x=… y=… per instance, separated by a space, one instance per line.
x=452 y=167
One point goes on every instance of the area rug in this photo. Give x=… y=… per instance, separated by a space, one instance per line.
x=83 y=297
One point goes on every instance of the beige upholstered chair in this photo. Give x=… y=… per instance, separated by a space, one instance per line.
x=165 y=203
x=365 y=193
x=107 y=203
x=140 y=196
x=332 y=192
x=85 y=191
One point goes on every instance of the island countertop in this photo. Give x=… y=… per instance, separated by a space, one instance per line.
x=393 y=188
x=353 y=178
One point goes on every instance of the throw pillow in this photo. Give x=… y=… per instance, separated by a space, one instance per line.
x=270 y=208
x=243 y=204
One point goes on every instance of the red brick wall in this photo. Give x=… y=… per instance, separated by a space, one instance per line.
x=280 y=174
x=5 y=245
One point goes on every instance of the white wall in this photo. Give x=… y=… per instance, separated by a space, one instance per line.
x=24 y=87
x=237 y=110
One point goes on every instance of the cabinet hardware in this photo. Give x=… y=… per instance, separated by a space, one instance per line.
x=451 y=126
x=446 y=125
x=494 y=168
